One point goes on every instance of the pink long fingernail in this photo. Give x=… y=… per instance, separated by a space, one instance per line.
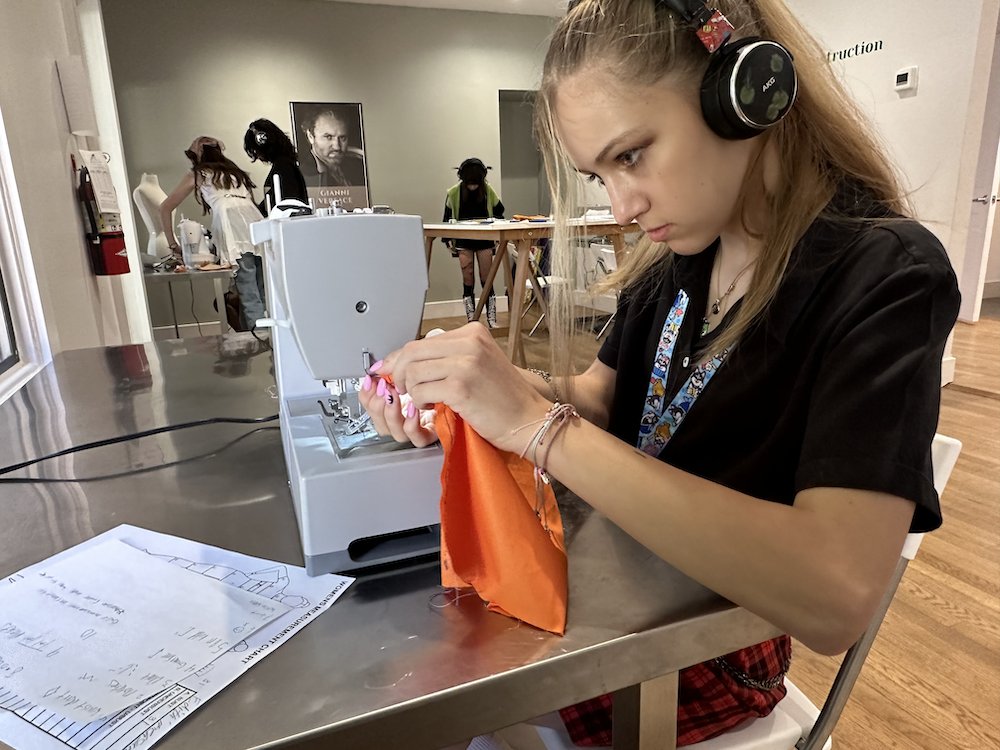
x=376 y=367
x=366 y=384
x=381 y=388
x=411 y=410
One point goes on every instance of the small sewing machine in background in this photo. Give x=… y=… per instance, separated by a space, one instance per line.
x=193 y=237
x=342 y=292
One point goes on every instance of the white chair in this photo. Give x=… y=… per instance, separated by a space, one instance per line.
x=795 y=723
x=537 y=284
x=607 y=262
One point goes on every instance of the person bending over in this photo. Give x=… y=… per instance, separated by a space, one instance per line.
x=225 y=191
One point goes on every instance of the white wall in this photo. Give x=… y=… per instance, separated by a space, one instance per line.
x=926 y=133
x=993 y=115
x=993 y=267
x=80 y=309
x=428 y=81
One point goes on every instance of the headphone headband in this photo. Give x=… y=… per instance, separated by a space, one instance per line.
x=693 y=12
x=710 y=26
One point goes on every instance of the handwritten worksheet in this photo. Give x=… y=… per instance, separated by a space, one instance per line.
x=89 y=636
x=29 y=726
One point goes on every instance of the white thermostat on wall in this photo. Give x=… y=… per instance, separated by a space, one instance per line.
x=906 y=79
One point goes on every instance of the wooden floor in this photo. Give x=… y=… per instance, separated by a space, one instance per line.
x=932 y=679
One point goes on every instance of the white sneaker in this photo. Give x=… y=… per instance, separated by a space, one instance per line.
x=491 y=311
x=470 y=308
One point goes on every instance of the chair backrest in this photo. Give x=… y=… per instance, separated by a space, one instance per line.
x=944 y=454
x=608 y=259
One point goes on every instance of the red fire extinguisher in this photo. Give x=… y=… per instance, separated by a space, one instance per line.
x=105 y=242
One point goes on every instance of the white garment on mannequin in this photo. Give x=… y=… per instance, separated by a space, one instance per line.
x=148 y=196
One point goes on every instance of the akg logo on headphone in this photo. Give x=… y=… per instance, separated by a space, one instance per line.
x=768 y=85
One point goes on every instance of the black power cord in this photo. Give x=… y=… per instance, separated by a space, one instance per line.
x=137 y=435
x=134 y=472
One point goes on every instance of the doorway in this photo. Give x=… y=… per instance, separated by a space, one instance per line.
x=980 y=278
x=523 y=188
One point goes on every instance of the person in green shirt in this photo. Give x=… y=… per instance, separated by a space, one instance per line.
x=474 y=198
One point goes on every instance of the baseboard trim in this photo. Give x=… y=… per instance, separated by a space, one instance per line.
x=186 y=330
x=991 y=289
x=455 y=308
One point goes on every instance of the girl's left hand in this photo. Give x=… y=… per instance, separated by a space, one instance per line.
x=466 y=370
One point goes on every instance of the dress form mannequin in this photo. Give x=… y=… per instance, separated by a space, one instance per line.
x=148 y=196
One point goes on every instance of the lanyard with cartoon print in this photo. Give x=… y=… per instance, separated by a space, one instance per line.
x=658 y=424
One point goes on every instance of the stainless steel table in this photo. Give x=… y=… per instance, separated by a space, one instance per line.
x=395 y=663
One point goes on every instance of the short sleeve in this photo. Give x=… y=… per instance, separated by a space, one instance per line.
x=874 y=406
x=608 y=353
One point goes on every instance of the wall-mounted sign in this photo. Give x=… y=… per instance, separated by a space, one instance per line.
x=861 y=48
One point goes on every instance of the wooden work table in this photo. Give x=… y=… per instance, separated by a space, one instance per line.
x=524 y=235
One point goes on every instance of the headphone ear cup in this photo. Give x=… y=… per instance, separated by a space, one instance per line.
x=260 y=137
x=749 y=86
x=714 y=91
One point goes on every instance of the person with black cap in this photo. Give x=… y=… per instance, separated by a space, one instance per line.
x=473 y=198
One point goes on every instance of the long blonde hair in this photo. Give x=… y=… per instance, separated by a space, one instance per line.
x=823 y=141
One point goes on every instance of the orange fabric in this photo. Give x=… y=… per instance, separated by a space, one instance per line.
x=491 y=538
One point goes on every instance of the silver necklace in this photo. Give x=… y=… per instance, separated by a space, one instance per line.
x=716 y=307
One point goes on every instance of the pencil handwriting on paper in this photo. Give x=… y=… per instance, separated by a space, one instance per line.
x=142 y=724
x=90 y=636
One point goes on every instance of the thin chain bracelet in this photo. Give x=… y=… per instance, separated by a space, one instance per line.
x=549 y=381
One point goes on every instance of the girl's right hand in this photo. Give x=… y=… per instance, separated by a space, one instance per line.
x=463 y=369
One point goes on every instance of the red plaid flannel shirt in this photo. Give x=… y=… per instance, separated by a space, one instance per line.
x=709 y=700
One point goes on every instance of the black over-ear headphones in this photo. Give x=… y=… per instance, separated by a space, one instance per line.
x=259 y=136
x=750 y=84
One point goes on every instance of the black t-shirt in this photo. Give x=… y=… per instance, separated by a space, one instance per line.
x=293 y=184
x=837 y=386
x=473 y=207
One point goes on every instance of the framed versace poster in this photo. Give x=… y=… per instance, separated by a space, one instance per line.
x=330 y=141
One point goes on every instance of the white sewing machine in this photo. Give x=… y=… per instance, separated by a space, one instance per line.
x=194 y=243
x=344 y=291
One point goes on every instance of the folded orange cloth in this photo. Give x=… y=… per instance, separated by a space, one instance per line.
x=491 y=537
